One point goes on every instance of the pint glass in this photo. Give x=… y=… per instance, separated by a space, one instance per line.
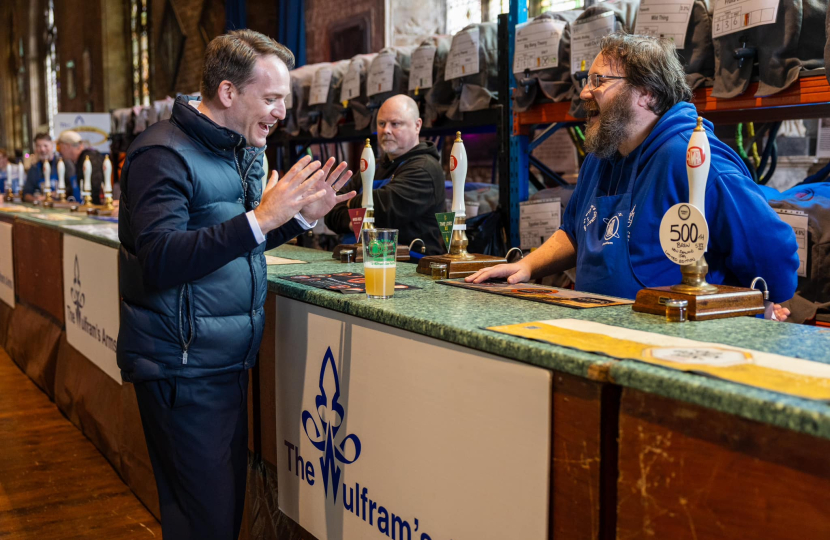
x=379 y=250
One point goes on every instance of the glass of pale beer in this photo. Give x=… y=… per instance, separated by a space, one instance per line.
x=379 y=249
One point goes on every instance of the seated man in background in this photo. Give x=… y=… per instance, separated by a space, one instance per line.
x=638 y=129
x=415 y=189
x=4 y=162
x=74 y=151
x=44 y=151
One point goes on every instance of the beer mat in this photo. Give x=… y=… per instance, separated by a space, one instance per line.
x=343 y=282
x=270 y=260
x=541 y=293
x=807 y=379
x=16 y=209
x=57 y=217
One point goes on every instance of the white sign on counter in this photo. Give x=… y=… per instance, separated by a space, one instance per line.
x=6 y=264
x=537 y=45
x=320 y=85
x=732 y=16
x=382 y=433
x=381 y=74
x=665 y=18
x=462 y=59
x=350 y=88
x=92 y=127
x=420 y=71
x=538 y=220
x=798 y=221
x=585 y=37
x=90 y=292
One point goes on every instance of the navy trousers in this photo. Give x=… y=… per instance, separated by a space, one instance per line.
x=197 y=435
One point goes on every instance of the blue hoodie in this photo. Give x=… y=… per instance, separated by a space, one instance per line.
x=746 y=237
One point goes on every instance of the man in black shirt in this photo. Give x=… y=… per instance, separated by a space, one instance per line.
x=415 y=192
x=44 y=151
x=73 y=151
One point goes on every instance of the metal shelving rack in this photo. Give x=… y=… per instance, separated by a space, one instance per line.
x=808 y=97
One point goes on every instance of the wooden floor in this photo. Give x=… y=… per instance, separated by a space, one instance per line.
x=54 y=484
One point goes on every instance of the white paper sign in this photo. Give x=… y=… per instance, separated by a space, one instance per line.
x=537 y=45
x=381 y=73
x=538 y=220
x=90 y=292
x=350 y=88
x=320 y=85
x=585 y=37
x=383 y=433
x=420 y=70
x=684 y=234
x=462 y=59
x=798 y=221
x=558 y=153
x=732 y=16
x=665 y=18
x=823 y=142
x=6 y=264
x=92 y=127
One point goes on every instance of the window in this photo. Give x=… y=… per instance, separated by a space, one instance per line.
x=140 y=50
x=460 y=13
x=537 y=7
x=51 y=67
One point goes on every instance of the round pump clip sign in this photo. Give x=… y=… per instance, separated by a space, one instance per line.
x=684 y=234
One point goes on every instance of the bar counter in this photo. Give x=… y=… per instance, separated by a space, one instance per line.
x=538 y=440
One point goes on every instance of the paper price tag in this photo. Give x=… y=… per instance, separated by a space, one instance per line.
x=380 y=75
x=538 y=220
x=350 y=88
x=798 y=221
x=420 y=71
x=585 y=37
x=320 y=85
x=664 y=18
x=732 y=16
x=462 y=59
x=684 y=234
x=537 y=45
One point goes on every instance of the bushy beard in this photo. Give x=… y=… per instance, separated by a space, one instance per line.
x=604 y=137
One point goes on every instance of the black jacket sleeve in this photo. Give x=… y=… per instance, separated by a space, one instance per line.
x=33 y=179
x=403 y=199
x=338 y=218
x=158 y=194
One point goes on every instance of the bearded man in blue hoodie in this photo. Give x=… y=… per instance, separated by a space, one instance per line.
x=638 y=128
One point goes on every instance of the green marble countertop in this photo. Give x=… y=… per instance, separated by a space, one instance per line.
x=460 y=316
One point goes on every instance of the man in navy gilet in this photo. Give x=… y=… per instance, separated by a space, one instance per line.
x=194 y=223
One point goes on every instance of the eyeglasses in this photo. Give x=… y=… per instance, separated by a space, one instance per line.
x=596 y=80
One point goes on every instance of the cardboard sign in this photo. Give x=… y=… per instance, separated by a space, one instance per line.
x=92 y=127
x=6 y=264
x=91 y=297
x=381 y=431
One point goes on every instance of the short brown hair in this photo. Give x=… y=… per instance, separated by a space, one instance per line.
x=650 y=64
x=232 y=57
x=42 y=136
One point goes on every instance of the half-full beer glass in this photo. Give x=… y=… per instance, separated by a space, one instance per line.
x=379 y=250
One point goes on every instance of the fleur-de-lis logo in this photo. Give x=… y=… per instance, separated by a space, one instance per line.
x=331 y=414
x=78 y=297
